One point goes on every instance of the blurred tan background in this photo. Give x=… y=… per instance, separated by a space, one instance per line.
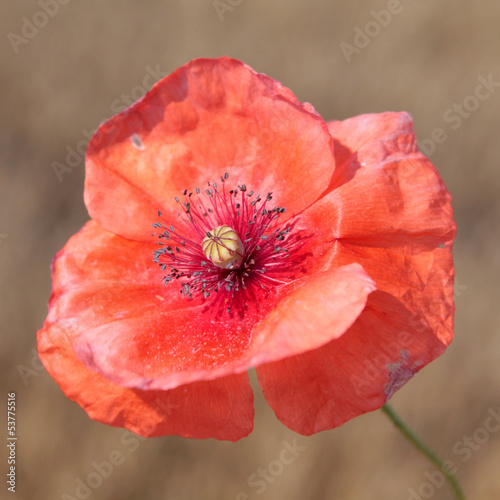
x=59 y=79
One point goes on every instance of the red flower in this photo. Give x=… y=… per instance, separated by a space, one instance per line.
x=337 y=301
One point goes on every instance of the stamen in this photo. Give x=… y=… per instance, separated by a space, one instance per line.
x=228 y=243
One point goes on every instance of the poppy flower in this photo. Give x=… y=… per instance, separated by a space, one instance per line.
x=233 y=228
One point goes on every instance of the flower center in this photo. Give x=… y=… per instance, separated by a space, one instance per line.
x=228 y=243
x=223 y=247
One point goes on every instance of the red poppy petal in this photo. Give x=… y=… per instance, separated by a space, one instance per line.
x=99 y=279
x=209 y=117
x=221 y=409
x=386 y=192
x=351 y=135
x=396 y=335
x=421 y=278
x=146 y=335
x=356 y=132
x=321 y=308
x=399 y=227
x=176 y=348
x=104 y=282
x=390 y=212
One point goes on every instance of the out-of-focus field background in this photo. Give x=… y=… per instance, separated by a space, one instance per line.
x=81 y=64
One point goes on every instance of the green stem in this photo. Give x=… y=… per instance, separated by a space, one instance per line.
x=411 y=436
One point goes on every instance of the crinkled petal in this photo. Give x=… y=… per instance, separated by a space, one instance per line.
x=356 y=132
x=386 y=194
x=186 y=345
x=209 y=117
x=357 y=373
x=407 y=323
x=389 y=212
x=221 y=409
x=100 y=279
x=142 y=334
x=321 y=308
x=395 y=219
